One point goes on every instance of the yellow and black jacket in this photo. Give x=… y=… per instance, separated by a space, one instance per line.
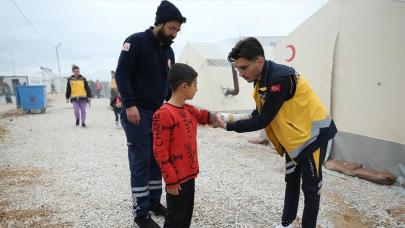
x=77 y=88
x=290 y=112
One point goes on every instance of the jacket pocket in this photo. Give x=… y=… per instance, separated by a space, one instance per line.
x=295 y=128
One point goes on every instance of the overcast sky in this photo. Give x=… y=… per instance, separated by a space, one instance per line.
x=91 y=32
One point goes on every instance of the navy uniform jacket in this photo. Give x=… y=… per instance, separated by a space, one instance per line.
x=142 y=70
x=141 y=74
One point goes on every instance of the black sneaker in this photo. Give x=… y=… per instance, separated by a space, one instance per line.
x=145 y=222
x=83 y=125
x=77 y=122
x=158 y=209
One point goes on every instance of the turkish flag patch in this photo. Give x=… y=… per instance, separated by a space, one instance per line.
x=275 y=88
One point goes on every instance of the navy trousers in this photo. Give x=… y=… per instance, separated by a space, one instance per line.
x=146 y=177
x=310 y=170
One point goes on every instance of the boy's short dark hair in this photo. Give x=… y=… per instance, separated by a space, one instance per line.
x=248 y=48
x=74 y=67
x=180 y=73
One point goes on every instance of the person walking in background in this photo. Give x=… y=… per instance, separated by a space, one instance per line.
x=78 y=91
x=113 y=83
x=92 y=86
x=141 y=77
x=7 y=93
x=116 y=105
x=99 y=87
x=53 y=90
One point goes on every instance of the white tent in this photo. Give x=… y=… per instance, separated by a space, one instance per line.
x=219 y=88
x=215 y=77
x=353 y=54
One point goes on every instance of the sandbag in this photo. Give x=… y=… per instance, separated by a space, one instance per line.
x=344 y=167
x=376 y=176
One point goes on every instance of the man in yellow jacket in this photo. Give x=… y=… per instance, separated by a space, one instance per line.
x=295 y=121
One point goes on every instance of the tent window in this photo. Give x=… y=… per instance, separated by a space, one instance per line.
x=218 y=62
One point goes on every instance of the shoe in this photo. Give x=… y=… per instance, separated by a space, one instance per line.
x=145 y=222
x=158 y=209
x=281 y=226
x=77 y=122
x=83 y=125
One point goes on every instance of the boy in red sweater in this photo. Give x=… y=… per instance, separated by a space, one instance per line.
x=174 y=127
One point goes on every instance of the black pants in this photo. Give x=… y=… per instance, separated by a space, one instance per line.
x=310 y=169
x=180 y=207
x=117 y=113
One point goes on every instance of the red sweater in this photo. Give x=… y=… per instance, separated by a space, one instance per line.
x=175 y=141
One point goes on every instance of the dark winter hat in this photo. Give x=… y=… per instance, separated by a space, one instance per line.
x=166 y=11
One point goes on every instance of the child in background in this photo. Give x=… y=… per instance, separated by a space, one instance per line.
x=174 y=127
x=116 y=105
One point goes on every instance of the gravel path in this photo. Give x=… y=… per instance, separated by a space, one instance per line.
x=56 y=174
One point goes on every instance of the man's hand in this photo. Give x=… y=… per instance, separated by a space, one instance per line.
x=218 y=121
x=133 y=115
x=88 y=99
x=174 y=191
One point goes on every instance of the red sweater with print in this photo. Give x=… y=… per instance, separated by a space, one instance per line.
x=175 y=141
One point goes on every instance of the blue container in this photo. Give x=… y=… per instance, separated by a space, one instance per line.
x=31 y=98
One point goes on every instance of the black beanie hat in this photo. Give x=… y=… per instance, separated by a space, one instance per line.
x=166 y=11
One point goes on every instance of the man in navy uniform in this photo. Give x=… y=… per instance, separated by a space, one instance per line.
x=141 y=78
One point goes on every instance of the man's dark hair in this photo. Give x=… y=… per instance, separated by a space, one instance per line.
x=180 y=73
x=74 y=67
x=248 y=48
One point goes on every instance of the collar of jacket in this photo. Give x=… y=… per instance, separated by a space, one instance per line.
x=265 y=71
x=273 y=70
x=155 y=39
x=80 y=76
x=277 y=70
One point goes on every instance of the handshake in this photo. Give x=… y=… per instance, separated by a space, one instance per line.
x=221 y=119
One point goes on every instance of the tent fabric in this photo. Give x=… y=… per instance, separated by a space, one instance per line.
x=214 y=77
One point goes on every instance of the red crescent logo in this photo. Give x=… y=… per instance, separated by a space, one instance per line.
x=290 y=46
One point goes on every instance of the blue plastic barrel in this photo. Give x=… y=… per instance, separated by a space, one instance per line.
x=31 y=97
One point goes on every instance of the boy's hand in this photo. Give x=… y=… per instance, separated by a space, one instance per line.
x=218 y=121
x=174 y=191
